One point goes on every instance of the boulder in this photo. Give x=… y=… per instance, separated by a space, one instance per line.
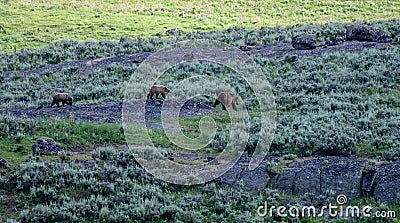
x=367 y=33
x=387 y=183
x=3 y=163
x=304 y=42
x=326 y=176
x=342 y=178
x=46 y=146
x=240 y=173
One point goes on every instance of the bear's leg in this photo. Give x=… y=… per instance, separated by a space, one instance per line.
x=157 y=95
x=163 y=95
x=216 y=103
x=52 y=103
x=234 y=106
x=224 y=107
x=63 y=103
x=58 y=104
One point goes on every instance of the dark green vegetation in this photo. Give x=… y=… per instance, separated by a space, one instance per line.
x=115 y=189
x=37 y=23
x=340 y=104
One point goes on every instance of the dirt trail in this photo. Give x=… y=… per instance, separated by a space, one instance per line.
x=112 y=112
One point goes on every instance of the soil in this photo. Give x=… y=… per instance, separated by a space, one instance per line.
x=112 y=112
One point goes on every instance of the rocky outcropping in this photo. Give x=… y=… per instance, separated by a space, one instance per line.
x=240 y=174
x=329 y=176
x=326 y=176
x=304 y=42
x=384 y=183
x=367 y=33
x=46 y=146
x=333 y=176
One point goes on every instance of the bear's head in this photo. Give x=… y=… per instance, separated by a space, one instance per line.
x=167 y=89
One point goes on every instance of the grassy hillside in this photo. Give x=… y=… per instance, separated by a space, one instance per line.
x=336 y=104
x=344 y=104
x=31 y=24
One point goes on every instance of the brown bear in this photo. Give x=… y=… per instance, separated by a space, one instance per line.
x=156 y=90
x=225 y=99
x=64 y=98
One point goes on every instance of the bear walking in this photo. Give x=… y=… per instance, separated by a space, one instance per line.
x=226 y=99
x=156 y=90
x=64 y=98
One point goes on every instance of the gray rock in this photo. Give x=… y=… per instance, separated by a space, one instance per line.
x=327 y=176
x=241 y=174
x=46 y=146
x=284 y=182
x=256 y=179
x=232 y=175
x=387 y=189
x=3 y=163
x=368 y=181
x=367 y=33
x=304 y=42
x=344 y=179
x=312 y=181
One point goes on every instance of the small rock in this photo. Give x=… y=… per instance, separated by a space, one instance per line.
x=367 y=33
x=304 y=42
x=3 y=163
x=46 y=146
x=174 y=32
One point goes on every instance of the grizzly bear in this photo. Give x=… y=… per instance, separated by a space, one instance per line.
x=64 y=98
x=156 y=90
x=225 y=99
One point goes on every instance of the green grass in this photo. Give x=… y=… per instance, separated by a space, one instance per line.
x=16 y=142
x=38 y=23
x=19 y=134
